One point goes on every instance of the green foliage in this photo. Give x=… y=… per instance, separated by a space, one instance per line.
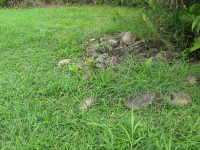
x=148 y=63
x=195 y=47
x=73 y=68
x=191 y=17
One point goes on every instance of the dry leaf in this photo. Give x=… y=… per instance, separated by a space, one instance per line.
x=161 y=28
x=91 y=61
x=71 y=112
x=171 y=130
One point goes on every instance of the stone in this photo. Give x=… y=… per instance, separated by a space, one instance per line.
x=99 y=50
x=154 y=43
x=87 y=103
x=104 y=61
x=80 y=65
x=103 y=39
x=101 y=61
x=140 y=102
x=129 y=38
x=114 y=42
x=110 y=61
x=152 y=52
x=178 y=99
x=168 y=56
x=64 y=61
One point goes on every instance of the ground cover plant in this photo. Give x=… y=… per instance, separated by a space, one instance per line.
x=39 y=102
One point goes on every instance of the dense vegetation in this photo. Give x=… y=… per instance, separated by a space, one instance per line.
x=39 y=102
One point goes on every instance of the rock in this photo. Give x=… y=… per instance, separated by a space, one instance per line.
x=141 y=101
x=80 y=65
x=87 y=103
x=101 y=61
x=129 y=38
x=178 y=99
x=114 y=42
x=99 y=50
x=64 y=61
x=104 y=61
x=152 y=52
x=127 y=50
x=168 y=56
x=154 y=43
x=103 y=39
x=110 y=61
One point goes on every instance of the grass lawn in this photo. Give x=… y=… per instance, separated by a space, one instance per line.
x=39 y=103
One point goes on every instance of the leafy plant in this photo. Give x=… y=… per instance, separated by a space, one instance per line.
x=192 y=17
x=195 y=47
x=73 y=68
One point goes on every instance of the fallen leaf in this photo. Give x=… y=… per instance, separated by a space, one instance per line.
x=171 y=130
x=161 y=28
x=91 y=61
x=71 y=112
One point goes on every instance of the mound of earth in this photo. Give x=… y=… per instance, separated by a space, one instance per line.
x=111 y=50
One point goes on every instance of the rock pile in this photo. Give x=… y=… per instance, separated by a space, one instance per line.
x=110 y=50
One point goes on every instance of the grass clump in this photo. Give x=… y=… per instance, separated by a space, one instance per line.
x=39 y=103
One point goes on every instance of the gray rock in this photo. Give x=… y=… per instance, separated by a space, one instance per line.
x=104 y=61
x=141 y=101
x=168 y=56
x=99 y=50
x=129 y=38
x=103 y=39
x=114 y=42
x=127 y=50
x=154 y=43
x=100 y=61
x=64 y=61
x=110 y=61
x=152 y=52
x=80 y=65
x=87 y=103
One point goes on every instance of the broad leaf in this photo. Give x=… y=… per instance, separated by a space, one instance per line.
x=195 y=9
x=196 y=23
x=186 y=17
x=148 y=63
x=196 y=45
x=198 y=28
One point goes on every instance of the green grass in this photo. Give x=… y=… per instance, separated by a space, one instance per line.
x=39 y=103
